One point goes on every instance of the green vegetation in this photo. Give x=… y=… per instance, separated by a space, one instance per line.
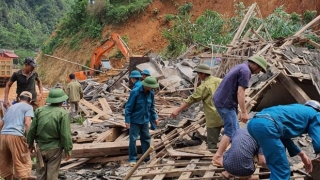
x=212 y=27
x=86 y=20
x=26 y=24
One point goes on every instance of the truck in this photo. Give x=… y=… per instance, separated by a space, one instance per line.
x=6 y=65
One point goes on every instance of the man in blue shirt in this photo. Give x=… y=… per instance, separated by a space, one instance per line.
x=14 y=153
x=135 y=78
x=139 y=111
x=273 y=129
x=145 y=73
x=230 y=92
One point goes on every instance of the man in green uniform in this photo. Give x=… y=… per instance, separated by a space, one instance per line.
x=75 y=93
x=205 y=92
x=50 y=129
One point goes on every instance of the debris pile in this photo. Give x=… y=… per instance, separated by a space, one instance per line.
x=292 y=77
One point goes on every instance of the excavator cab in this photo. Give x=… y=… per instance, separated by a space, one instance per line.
x=96 y=63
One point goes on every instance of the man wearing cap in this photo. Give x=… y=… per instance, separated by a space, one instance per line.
x=50 y=129
x=26 y=78
x=75 y=93
x=135 y=78
x=229 y=94
x=204 y=93
x=14 y=154
x=273 y=129
x=145 y=73
x=139 y=110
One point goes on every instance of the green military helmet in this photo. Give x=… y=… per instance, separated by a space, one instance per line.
x=56 y=95
x=150 y=82
x=260 y=61
x=203 y=68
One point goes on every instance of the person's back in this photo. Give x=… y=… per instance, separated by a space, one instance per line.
x=74 y=91
x=14 y=119
x=49 y=120
x=293 y=119
x=239 y=159
x=50 y=128
x=226 y=94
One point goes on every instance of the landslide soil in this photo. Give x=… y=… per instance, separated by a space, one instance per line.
x=144 y=31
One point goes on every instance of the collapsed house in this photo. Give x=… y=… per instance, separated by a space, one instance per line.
x=292 y=77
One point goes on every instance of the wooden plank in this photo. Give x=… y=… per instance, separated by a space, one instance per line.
x=101 y=149
x=84 y=109
x=120 y=138
x=143 y=171
x=297 y=176
x=103 y=136
x=115 y=133
x=175 y=153
x=255 y=174
x=186 y=175
x=77 y=163
x=179 y=171
x=85 y=140
x=209 y=174
x=105 y=105
x=165 y=169
x=91 y=106
x=180 y=124
x=84 y=160
x=185 y=136
x=293 y=89
x=109 y=159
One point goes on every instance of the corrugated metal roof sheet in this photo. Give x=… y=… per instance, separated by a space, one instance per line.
x=10 y=55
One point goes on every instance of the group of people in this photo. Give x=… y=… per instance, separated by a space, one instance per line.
x=27 y=129
x=268 y=133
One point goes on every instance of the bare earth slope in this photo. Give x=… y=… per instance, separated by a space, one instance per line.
x=144 y=31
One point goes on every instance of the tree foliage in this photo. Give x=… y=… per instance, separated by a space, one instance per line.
x=26 y=24
x=212 y=27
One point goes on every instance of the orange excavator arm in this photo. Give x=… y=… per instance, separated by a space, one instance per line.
x=114 y=40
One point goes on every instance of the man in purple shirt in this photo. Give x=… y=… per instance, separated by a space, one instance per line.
x=229 y=94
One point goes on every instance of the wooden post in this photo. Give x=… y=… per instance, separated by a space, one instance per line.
x=242 y=26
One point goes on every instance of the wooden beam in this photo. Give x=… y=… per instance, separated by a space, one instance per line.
x=293 y=89
x=101 y=149
x=242 y=26
x=115 y=133
x=77 y=163
x=105 y=106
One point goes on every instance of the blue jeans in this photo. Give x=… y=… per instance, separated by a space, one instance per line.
x=266 y=133
x=136 y=130
x=230 y=120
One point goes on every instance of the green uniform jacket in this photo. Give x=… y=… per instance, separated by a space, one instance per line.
x=51 y=129
x=74 y=91
x=205 y=93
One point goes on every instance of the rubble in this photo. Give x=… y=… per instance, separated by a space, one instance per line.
x=292 y=77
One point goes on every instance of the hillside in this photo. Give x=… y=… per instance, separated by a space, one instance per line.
x=144 y=31
x=26 y=24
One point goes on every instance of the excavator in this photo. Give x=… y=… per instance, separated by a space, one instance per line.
x=96 y=62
